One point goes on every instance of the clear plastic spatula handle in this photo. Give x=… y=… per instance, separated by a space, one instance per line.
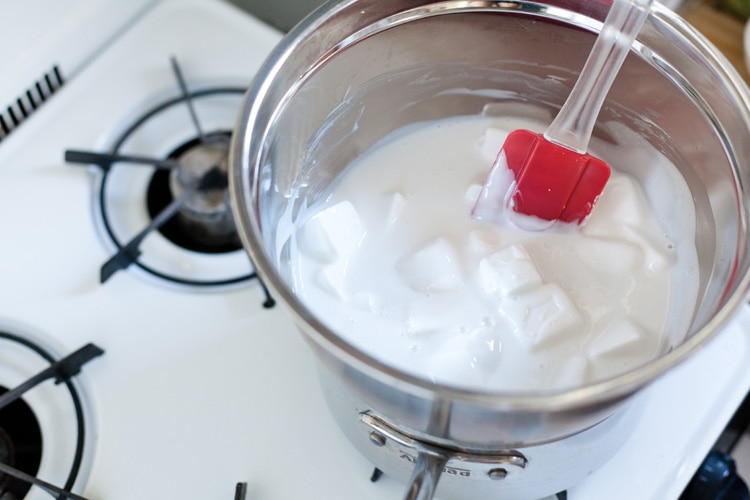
x=574 y=123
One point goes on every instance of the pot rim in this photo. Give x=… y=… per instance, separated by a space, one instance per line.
x=245 y=148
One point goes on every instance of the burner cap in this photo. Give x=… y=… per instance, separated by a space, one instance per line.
x=204 y=223
x=44 y=426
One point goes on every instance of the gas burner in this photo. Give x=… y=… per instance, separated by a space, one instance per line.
x=163 y=197
x=43 y=427
x=204 y=223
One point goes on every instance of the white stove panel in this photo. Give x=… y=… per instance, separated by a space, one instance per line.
x=39 y=35
x=199 y=390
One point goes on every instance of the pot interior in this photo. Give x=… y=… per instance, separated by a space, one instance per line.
x=348 y=76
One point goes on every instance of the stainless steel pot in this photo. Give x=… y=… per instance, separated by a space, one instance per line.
x=355 y=70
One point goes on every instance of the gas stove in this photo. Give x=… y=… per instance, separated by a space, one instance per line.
x=161 y=367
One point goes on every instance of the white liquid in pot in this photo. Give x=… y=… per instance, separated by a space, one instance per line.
x=394 y=263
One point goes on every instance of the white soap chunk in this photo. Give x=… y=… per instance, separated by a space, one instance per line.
x=657 y=260
x=620 y=204
x=541 y=317
x=433 y=268
x=440 y=312
x=607 y=256
x=624 y=203
x=618 y=337
x=490 y=144
x=313 y=241
x=332 y=234
x=485 y=348
x=483 y=240
x=452 y=357
x=507 y=272
x=330 y=279
x=658 y=251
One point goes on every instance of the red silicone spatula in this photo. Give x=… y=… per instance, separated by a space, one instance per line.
x=555 y=179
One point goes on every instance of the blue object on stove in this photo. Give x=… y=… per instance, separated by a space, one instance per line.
x=716 y=479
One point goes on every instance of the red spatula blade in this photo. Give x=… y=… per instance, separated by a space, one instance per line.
x=552 y=182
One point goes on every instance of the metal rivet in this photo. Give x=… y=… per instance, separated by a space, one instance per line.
x=377 y=439
x=496 y=474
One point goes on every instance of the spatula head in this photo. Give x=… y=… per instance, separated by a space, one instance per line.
x=552 y=182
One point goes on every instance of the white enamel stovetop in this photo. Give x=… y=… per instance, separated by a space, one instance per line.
x=199 y=390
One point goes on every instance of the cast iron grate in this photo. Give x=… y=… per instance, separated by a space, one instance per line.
x=21 y=446
x=165 y=208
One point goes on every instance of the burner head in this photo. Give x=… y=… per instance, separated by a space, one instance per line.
x=204 y=223
x=206 y=214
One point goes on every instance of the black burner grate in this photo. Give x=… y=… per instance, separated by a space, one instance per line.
x=21 y=440
x=167 y=210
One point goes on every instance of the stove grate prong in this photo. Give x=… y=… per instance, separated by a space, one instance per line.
x=61 y=370
x=188 y=98
x=130 y=252
x=376 y=475
x=240 y=491
x=105 y=160
x=53 y=490
x=269 y=301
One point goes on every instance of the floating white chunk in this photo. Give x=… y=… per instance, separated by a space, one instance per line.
x=332 y=234
x=453 y=357
x=541 y=317
x=659 y=253
x=621 y=204
x=490 y=143
x=330 y=279
x=507 y=272
x=483 y=240
x=433 y=268
x=618 y=337
x=613 y=257
x=485 y=347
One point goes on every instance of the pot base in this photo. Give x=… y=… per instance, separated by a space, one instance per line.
x=522 y=474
